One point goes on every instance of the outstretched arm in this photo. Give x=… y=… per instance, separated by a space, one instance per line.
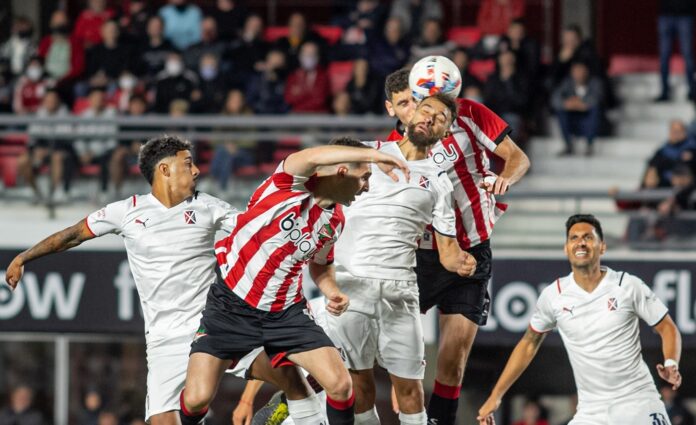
x=244 y=412
x=518 y=362
x=306 y=162
x=516 y=166
x=671 y=350
x=60 y=241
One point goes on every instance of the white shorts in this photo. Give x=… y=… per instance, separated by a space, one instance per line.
x=382 y=323
x=167 y=361
x=643 y=409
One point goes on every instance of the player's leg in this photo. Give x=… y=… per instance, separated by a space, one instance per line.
x=365 y=397
x=409 y=395
x=202 y=380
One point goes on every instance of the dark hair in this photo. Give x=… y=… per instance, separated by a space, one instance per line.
x=138 y=98
x=574 y=28
x=396 y=82
x=450 y=103
x=347 y=141
x=156 y=150
x=584 y=218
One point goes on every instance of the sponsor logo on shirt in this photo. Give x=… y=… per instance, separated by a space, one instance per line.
x=569 y=310
x=139 y=221
x=447 y=153
x=190 y=217
x=292 y=230
x=612 y=304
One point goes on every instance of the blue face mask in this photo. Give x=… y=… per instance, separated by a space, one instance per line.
x=208 y=72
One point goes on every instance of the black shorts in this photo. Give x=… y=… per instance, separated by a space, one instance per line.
x=230 y=329
x=451 y=293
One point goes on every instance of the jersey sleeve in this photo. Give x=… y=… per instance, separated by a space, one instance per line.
x=108 y=219
x=443 y=211
x=290 y=183
x=488 y=128
x=645 y=303
x=543 y=320
x=224 y=215
x=325 y=255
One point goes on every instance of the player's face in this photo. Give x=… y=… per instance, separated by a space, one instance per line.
x=353 y=180
x=402 y=106
x=430 y=122
x=183 y=173
x=583 y=246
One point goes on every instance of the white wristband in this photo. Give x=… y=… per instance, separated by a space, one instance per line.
x=670 y=363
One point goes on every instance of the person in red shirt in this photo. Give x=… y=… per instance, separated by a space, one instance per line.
x=307 y=88
x=30 y=88
x=87 y=30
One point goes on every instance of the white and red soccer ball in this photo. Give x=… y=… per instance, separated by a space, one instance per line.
x=435 y=74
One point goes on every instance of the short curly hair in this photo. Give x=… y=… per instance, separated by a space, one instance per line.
x=396 y=82
x=156 y=150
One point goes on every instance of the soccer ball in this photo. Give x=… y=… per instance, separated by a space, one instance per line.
x=435 y=74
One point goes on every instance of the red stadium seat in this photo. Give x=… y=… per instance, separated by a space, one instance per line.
x=248 y=171
x=19 y=139
x=12 y=150
x=340 y=74
x=90 y=170
x=464 y=36
x=331 y=34
x=481 y=69
x=272 y=34
x=632 y=64
x=8 y=169
x=81 y=104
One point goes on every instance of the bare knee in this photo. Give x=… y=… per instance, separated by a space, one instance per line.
x=340 y=386
x=365 y=391
x=410 y=397
x=166 y=418
x=197 y=397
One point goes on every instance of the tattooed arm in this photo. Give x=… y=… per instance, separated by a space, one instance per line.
x=60 y=241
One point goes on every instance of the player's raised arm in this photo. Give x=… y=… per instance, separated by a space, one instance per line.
x=518 y=362
x=306 y=162
x=60 y=241
x=244 y=412
x=453 y=258
x=516 y=166
x=671 y=350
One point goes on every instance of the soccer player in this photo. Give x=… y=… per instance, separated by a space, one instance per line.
x=596 y=311
x=292 y=220
x=375 y=260
x=169 y=236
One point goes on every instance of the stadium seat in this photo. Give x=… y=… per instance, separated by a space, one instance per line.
x=18 y=139
x=248 y=171
x=481 y=69
x=331 y=34
x=464 y=36
x=632 y=64
x=81 y=104
x=90 y=170
x=8 y=169
x=340 y=74
x=272 y=34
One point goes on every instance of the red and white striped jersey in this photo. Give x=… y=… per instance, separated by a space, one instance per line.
x=281 y=230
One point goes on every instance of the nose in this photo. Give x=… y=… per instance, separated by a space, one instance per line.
x=366 y=187
x=195 y=171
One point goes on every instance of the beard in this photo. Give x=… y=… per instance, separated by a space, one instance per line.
x=421 y=140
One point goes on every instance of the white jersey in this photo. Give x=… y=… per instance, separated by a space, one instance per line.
x=384 y=225
x=600 y=333
x=170 y=253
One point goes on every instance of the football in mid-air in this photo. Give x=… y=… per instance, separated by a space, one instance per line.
x=435 y=74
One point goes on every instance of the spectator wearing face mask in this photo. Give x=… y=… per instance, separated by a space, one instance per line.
x=63 y=57
x=128 y=86
x=154 y=50
x=298 y=35
x=247 y=53
x=182 y=23
x=19 y=48
x=210 y=43
x=175 y=82
x=307 y=88
x=30 y=89
x=213 y=85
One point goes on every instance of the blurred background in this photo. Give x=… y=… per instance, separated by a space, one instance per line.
x=84 y=83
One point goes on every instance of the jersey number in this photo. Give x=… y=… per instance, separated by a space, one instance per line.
x=658 y=419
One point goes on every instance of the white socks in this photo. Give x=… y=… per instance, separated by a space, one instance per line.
x=367 y=418
x=307 y=411
x=413 y=418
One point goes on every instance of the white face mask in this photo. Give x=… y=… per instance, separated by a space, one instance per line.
x=174 y=67
x=309 y=62
x=126 y=82
x=34 y=73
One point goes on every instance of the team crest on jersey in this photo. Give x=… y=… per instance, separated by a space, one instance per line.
x=612 y=304
x=424 y=182
x=326 y=232
x=190 y=217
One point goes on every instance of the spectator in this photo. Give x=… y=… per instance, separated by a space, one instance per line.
x=578 y=105
x=88 y=27
x=307 y=88
x=364 y=91
x=414 y=13
x=125 y=155
x=341 y=105
x=110 y=56
x=229 y=15
x=107 y=418
x=230 y=156
x=155 y=49
x=209 y=44
x=462 y=59
x=574 y=49
x=506 y=92
x=19 y=48
x=64 y=58
x=494 y=16
x=246 y=54
x=44 y=150
x=30 y=88
x=266 y=90
x=678 y=413
x=473 y=93
x=175 y=82
x=213 y=85
x=128 y=86
x=532 y=414
x=676 y=18
x=360 y=25
x=678 y=149
x=527 y=51
x=182 y=23
x=133 y=23
x=92 y=407
x=20 y=412
x=389 y=51
x=298 y=35
x=431 y=42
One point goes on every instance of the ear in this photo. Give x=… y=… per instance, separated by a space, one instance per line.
x=390 y=108
x=603 y=248
x=163 y=167
x=342 y=170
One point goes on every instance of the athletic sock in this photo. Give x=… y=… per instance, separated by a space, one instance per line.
x=307 y=411
x=442 y=408
x=187 y=417
x=340 y=412
x=413 y=418
x=367 y=418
